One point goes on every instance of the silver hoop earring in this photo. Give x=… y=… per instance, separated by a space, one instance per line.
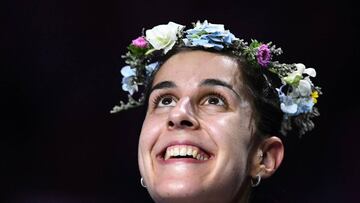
x=142 y=182
x=256 y=182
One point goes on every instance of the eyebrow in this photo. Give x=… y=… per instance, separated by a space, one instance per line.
x=163 y=85
x=206 y=82
x=217 y=82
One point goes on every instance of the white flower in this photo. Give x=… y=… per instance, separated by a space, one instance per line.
x=300 y=69
x=294 y=77
x=304 y=88
x=164 y=36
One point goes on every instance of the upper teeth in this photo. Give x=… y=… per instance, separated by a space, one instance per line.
x=183 y=150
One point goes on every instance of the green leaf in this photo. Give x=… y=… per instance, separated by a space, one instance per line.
x=137 y=51
x=293 y=79
x=254 y=44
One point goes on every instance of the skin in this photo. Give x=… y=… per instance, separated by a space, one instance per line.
x=198 y=99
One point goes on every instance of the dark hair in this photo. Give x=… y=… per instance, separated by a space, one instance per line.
x=259 y=85
x=266 y=104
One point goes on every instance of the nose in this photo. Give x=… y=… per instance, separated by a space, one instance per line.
x=182 y=116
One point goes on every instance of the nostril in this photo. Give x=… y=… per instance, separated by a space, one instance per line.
x=171 y=124
x=181 y=124
x=186 y=123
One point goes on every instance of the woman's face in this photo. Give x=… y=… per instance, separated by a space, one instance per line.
x=195 y=140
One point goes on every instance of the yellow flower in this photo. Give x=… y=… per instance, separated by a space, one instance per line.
x=315 y=95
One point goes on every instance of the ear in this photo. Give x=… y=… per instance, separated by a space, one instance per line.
x=268 y=157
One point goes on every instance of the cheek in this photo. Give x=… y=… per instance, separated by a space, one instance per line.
x=231 y=130
x=232 y=135
x=150 y=132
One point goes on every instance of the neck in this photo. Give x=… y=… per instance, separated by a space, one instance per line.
x=243 y=195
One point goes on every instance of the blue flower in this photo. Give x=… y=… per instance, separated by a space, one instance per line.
x=305 y=105
x=128 y=81
x=209 y=36
x=151 y=67
x=294 y=106
x=127 y=71
x=287 y=104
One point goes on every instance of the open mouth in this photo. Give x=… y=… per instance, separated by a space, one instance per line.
x=185 y=152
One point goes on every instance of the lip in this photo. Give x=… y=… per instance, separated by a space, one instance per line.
x=161 y=154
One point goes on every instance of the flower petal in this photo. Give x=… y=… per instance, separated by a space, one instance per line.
x=305 y=105
x=129 y=85
x=163 y=36
x=151 y=67
x=310 y=71
x=300 y=68
x=289 y=109
x=127 y=71
x=304 y=88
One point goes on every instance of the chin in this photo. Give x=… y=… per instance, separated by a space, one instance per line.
x=191 y=189
x=178 y=191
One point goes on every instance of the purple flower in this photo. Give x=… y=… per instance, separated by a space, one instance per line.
x=263 y=55
x=140 y=42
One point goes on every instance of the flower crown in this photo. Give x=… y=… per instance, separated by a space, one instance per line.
x=296 y=102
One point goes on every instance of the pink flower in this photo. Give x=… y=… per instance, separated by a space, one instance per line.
x=140 y=42
x=263 y=55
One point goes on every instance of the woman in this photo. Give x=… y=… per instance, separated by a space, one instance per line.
x=215 y=109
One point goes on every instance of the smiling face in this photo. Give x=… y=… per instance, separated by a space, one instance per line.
x=196 y=138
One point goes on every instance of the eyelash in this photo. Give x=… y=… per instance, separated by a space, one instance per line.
x=218 y=95
x=158 y=98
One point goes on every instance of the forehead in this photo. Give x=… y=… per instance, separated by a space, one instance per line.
x=191 y=67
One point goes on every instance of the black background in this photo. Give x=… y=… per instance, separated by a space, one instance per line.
x=60 y=77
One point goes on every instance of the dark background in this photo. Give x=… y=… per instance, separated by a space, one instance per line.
x=60 y=77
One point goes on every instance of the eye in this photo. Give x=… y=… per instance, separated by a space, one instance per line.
x=215 y=99
x=165 y=101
